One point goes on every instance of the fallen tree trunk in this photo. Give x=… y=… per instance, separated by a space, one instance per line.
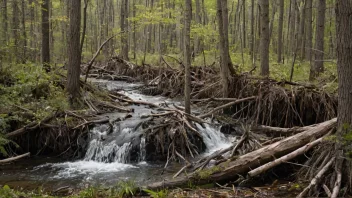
x=11 y=159
x=277 y=131
x=230 y=169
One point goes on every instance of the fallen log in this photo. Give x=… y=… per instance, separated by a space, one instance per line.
x=11 y=159
x=284 y=158
x=230 y=169
x=277 y=131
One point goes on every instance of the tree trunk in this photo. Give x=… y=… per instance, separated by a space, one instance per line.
x=24 y=32
x=124 y=27
x=309 y=30
x=198 y=20
x=344 y=61
x=264 y=37
x=187 y=54
x=302 y=31
x=84 y=24
x=280 y=30
x=45 y=36
x=251 y=51
x=4 y=38
x=318 y=66
x=244 y=23
x=15 y=29
x=224 y=53
x=74 y=53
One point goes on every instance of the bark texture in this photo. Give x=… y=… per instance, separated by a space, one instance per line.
x=318 y=66
x=344 y=60
x=45 y=35
x=187 y=54
x=224 y=48
x=74 y=52
x=124 y=27
x=280 y=35
x=309 y=30
x=264 y=37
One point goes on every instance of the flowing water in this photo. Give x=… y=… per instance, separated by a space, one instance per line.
x=116 y=152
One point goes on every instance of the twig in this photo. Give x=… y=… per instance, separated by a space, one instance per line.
x=11 y=159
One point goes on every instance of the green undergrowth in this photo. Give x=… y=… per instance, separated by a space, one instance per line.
x=120 y=190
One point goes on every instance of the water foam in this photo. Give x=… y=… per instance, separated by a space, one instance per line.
x=213 y=139
x=83 y=168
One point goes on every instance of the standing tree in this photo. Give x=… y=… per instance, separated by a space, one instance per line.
x=225 y=60
x=264 y=37
x=15 y=27
x=280 y=36
x=309 y=30
x=344 y=60
x=124 y=27
x=4 y=34
x=187 y=54
x=45 y=35
x=74 y=52
x=318 y=66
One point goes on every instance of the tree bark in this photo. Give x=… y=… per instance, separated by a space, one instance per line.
x=264 y=37
x=187 y=54
x=198 y=20
x=280 y=30
x=45 y=35
x=251 y=51
x=74 y=52
x=318 y=66
x=224 y=52
x=244 y=23
x=4 y=34
x=309 y=30
x=344 y=61
x=124 y=27
x=15 y=29
x=84 y=24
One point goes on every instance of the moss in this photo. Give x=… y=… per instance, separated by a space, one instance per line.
x=205 y=174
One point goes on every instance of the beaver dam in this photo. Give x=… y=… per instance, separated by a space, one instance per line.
x=137 y=130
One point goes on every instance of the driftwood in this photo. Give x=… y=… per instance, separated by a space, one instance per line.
x=11 y=159
x=249 y=161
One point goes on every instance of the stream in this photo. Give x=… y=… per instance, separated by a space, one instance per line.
x=115 y=151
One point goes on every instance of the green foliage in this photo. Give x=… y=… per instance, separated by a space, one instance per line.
x=32 y=89
x=90 y=192
x=126 y=188
x=157 y=194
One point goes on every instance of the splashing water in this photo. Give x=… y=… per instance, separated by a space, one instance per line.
x=213 y=138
